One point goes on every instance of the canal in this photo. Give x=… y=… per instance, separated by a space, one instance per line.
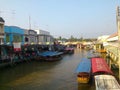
x=35 y=75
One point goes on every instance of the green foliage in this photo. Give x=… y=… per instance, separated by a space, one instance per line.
x=73 y=39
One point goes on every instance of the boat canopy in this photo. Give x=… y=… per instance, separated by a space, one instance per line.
x=84 y=66
x=99 y=65
x=50 y=53
x=106 y=82
x=69 y=48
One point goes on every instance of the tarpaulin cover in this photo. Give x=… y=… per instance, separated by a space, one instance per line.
x=50 y=53
x=100 y=65
x=84 y=66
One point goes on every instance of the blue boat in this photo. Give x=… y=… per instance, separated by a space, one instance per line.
x=84 y=70
x=51 y=55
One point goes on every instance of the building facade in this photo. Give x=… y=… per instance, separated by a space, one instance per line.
x=13 y=34
x=30 y=37
x=26 y=37
x=2 y=30
x=44 y=37
x=42 y=32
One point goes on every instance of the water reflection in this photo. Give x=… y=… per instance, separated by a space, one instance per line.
x=86 y=87
x=34 y=75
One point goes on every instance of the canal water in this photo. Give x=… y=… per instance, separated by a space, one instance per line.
x=35 y=75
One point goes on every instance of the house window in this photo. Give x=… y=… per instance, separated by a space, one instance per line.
x=17 y=38
x=26 y=39
x=7 y=38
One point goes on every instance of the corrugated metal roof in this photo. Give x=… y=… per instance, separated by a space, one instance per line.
x=113 y=35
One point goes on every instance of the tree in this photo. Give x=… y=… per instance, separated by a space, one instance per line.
x=81 y=39
x=60 y=37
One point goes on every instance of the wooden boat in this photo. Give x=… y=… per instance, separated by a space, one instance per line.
x=94 y=55
x=69 y=50
x=99 y=66
x=101 y=51
x=83 y=71
x=103 y=75
x=106 y=82
x=51 y=55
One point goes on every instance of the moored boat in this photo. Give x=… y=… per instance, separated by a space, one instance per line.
x=99 y=66
x=106 y=82
x=83 y=71
x=69 y=50
x=103 y=76
x=51 y=55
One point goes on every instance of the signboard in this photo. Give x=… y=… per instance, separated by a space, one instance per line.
x=17 y=46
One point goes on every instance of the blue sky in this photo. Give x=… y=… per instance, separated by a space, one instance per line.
x=79 y=18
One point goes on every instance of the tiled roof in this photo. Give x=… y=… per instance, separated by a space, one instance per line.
x=113 y=35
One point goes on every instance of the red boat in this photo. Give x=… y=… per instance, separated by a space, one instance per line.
x=99 y=66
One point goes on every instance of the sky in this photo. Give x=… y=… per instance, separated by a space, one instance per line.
x=65 y=18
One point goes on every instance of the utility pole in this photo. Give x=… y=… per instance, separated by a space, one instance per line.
x=29 y=23
x=118 y=27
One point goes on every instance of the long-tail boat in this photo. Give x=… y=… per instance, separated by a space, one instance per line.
x=84 y=71
x=51 y=55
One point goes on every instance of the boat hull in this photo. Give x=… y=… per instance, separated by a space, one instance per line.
x=55 y=58
x=82 y=80
x=84 y=71
x=83 y=77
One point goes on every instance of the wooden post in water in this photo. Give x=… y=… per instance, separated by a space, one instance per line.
x=118 y=27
